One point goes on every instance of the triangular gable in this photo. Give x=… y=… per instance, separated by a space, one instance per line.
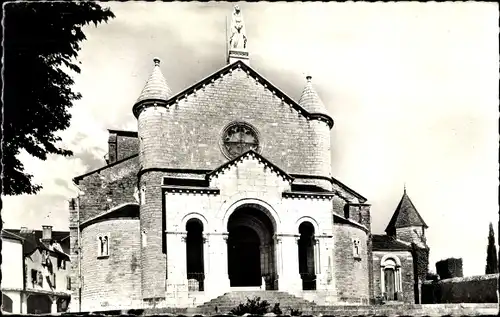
x=249 y=154
x=251 y=72
x=406 y=215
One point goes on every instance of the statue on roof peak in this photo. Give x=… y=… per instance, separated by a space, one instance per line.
x=238 y=38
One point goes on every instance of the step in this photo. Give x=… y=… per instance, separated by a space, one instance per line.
x=225 y=303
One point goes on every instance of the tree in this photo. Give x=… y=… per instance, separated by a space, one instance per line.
x=41 y=45
x=491 y=257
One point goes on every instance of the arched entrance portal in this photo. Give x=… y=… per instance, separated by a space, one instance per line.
x=251 y=248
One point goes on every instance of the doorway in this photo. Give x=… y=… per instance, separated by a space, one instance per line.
x=251 y=256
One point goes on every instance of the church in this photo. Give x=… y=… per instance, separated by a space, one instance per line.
x=227 y=187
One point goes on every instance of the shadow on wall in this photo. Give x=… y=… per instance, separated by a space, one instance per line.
x=474 y=289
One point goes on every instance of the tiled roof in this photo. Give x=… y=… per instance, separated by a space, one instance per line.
x=382 y=242
x=310 y=100
x=406 y=215
x=10 y=235
x=156 y=87
x=32 y=240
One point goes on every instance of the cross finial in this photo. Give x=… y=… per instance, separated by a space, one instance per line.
x=404 y=187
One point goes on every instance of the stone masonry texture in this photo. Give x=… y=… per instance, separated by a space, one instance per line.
x=109 y=282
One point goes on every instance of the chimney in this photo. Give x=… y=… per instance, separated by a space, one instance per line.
x=46 y=233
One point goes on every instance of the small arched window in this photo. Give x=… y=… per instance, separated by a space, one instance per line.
x=103 y=246
x=390 y=278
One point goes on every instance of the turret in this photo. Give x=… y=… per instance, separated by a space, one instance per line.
x=151 y=113
x=322 y=124
x=149 y=110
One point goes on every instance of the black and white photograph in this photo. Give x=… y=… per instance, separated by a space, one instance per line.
x=250 y=158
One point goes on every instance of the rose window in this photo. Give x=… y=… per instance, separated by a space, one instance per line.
x=239 y=138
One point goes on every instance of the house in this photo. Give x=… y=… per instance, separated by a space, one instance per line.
x=38 y=267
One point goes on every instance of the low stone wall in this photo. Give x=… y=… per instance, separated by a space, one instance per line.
x=429 y=310
x=474 y=289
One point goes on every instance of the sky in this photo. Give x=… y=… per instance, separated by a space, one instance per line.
x=412 y=87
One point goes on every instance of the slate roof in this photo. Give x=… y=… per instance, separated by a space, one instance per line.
x=382 y=242
x=406 y=215
x=156 y=87
x=127 y=210
x=32 y=240
x=308 y=188
x=310 y=99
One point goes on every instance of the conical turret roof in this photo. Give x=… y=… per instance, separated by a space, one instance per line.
x=156 y=87
x=406 y=215
x=310 y=100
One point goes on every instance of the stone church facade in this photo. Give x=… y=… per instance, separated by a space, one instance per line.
x=227 y=185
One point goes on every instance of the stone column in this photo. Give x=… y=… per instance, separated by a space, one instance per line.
x=217 y=278
x=289 y=279
x=176 y=294
x=24 y=303
x=53 y=307
x=206 y=255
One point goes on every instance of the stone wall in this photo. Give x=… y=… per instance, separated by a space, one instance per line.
x=352 y=275
x=122 y=144
x=473 y=289
x=111 y=282
x=108 y=188
x=153 y=244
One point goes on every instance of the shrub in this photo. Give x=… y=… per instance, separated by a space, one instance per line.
x=276 y=309
x=295 y=312
x=253 y=306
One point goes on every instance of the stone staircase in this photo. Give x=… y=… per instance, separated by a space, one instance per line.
x=228 y=301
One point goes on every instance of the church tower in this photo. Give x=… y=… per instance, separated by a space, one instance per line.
x=150 y=110
x=406 y=223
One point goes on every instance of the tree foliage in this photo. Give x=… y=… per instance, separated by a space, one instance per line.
x=491 y=257
x=41 y=43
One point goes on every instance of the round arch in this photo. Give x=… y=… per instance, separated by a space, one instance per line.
x=197 y=216
x=309 y=219
x=393 y=257
x=261 y=205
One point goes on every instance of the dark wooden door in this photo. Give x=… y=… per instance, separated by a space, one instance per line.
x=390 y=285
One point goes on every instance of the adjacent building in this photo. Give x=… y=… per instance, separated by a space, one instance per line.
x=35 y=268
